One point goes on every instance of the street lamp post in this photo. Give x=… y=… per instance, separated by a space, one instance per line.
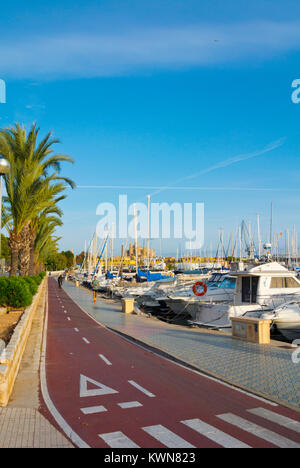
x=4 y=169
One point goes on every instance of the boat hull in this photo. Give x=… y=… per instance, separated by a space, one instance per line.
x=290 y=330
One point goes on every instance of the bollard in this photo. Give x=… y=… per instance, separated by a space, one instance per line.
x=251 y=329
x=127 y=305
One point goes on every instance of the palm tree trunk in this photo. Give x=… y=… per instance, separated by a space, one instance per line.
x=31 y=261
x=25 y=251
x=32 y=254
x=14 y=261
x=24 y=261
x=15 y=243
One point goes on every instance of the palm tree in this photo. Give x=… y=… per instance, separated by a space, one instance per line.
x=45 y=243
x=39 y=225
x=30 y=188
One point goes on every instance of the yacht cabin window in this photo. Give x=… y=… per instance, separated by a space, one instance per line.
x=284 y=282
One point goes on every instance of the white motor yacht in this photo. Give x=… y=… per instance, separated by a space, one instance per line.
x=287 y=319
x=180 y=299
x=259 y=288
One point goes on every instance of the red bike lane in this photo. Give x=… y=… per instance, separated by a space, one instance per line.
x=113 y=393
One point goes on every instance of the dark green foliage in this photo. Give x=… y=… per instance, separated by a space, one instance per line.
x=69 y=258
x=4 y=280
x=56 y=262
x=5 y=250
x=37 y=279
x=32 y=284
x=16 y=291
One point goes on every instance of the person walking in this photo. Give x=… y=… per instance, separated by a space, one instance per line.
x=95 y=288
x=59 y=280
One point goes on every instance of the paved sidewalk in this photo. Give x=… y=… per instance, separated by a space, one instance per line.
x=21 y=423
x=27 y=428
x=264 y=370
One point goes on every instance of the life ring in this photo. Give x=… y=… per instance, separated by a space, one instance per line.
x=195 y=291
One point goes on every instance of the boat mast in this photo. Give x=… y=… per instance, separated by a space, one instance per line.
x=240 y=243
x=106 y=256
x=271 y=225
x=135 y=233
x=251 y=248
x=95 y=251
x=148 y=233
x=112 y=247
x=259 y=238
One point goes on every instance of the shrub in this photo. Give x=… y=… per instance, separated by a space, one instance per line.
x=32 y=284
x=15 y=292
x=4 y=290
x=36 y=279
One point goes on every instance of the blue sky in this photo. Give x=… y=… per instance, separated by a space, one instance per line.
x=154 y=94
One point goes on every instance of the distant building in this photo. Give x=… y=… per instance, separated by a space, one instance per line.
x=142 y=252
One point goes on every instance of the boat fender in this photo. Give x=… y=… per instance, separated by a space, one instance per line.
x=195 y=290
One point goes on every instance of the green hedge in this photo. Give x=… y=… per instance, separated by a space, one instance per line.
x=16 y=291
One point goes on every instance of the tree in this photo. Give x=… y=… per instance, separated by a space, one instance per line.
x=70 y=258
x=5 y=250
x=57 y=261
x=30 y=188
x=43 y=243
x=80 y=258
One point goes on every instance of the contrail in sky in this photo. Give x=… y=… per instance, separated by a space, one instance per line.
x=227 y=162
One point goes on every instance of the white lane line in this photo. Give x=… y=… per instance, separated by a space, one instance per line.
x=166 y=437
x=68 y=430
x=105 y=360
x=117 y=440
x=93 y=410
x=258 y=431
x=68 y=318
x=86 y=341
x=212 y=433
x=130 y=404
x=276 y=418
x=206 y=376
x=76 y=329
x=142 y=389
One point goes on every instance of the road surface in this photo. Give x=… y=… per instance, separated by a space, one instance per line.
x=104 y=391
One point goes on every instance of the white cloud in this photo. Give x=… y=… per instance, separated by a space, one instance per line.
x=92 y=55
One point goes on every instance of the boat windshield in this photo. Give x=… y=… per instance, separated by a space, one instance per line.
x=228 y=283
x=215 y=280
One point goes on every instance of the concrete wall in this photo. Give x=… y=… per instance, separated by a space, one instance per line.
x=11 y=356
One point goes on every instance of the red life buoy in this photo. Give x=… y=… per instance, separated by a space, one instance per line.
x=195 y=290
